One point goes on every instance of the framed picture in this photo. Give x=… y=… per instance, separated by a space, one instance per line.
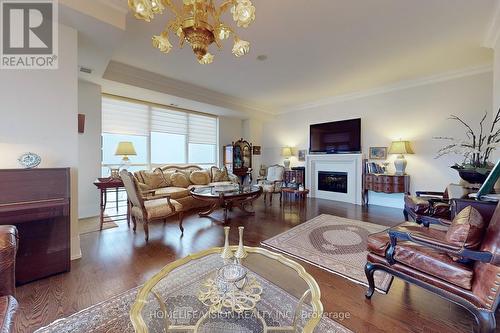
x=378 y=153
x=256 y=150
x=302 y=154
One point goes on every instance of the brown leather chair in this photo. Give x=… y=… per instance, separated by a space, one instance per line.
x=8 y=250
x=426 y=203
x=468 y=275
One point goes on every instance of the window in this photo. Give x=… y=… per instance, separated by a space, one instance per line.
x=160 y=135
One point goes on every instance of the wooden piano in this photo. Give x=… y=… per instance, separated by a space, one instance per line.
x=37 y=202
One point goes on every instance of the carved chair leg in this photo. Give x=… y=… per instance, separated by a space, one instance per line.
x=369 y=271
x=134 y=223
x=265 y=197
x=486 y=321
x=271 y=198
x=146 y=230
x=181 y=219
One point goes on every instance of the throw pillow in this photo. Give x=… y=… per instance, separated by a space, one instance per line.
x=165 y=182
x=143 y=187
x=179 y=179
x=201 y=177
x=219 y=175
x=153 y=179
x=466 y=229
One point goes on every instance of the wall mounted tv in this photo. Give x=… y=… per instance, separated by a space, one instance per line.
x=336 y=137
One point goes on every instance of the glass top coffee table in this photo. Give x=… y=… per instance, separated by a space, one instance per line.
x=227 y=197
x=170 y=301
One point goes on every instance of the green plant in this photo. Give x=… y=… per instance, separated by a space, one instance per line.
x=478 y=147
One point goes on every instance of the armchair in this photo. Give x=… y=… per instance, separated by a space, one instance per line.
x=461 y=263
x=273 y=181
x=146 y=206
x=8 y=250
x=426 y=203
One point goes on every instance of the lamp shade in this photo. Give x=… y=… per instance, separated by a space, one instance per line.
x=125 y=148
x=286 y=151
x=400 y=147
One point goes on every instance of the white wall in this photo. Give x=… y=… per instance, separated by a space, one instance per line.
x=496 y=80
x=89 y=149
x=39 y=113
x=230 y=130
x=416 y=114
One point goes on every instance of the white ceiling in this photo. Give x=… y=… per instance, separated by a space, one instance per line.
x=317 y=49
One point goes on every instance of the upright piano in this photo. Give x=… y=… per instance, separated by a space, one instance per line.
x=37 y=202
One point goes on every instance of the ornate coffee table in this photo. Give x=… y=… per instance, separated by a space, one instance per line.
x=168 y=302
x=227 y=197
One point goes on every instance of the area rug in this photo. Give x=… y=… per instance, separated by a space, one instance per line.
x=92 y=224
x=179 y=292
x=333 y=243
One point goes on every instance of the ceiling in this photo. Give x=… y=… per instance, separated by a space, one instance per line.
x=323 y=48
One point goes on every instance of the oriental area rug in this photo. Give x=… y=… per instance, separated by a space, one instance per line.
x=332 y=243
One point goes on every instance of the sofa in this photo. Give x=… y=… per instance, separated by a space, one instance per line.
x=8 y=250
x=178 y=180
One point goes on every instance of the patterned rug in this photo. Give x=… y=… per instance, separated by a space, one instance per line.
x=179 y=291
x=333 y=243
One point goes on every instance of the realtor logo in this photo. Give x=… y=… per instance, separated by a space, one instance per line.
x=29 y=34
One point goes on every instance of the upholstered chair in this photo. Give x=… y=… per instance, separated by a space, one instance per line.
x=460 y=263
x=426 y=203
x=273 y=181
x=147 y=207
x=8 y=250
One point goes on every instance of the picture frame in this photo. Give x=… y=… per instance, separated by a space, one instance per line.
x=257 y=150
x=302 y=155
x=378 y=153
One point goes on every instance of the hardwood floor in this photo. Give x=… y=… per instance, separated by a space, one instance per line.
x=116 y=260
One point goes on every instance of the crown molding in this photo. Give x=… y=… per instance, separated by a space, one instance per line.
x=402 y=85
x=126 y=74
x=493 y=32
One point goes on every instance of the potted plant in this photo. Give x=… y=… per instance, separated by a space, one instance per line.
x=476 y=149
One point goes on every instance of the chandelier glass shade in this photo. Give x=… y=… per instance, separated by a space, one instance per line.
x=197 y=22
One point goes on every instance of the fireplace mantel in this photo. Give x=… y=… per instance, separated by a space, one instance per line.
x=352 y=164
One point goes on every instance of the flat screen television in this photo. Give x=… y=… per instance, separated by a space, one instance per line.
x=336 y=137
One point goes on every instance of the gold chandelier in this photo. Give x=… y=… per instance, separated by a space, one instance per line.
x=199 y=23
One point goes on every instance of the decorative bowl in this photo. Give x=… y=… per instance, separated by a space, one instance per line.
x=29 y=160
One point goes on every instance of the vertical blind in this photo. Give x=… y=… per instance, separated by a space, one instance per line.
x=121 y=116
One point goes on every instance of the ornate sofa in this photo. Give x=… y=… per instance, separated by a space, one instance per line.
x=178 y=180
x=8 y=250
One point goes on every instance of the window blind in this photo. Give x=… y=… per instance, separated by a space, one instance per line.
x=169 y=121
x=202 y=129
x=123 y=117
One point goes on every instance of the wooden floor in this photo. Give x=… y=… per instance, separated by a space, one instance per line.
x=116 y=260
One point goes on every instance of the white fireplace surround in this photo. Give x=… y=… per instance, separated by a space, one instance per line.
x=350 y=163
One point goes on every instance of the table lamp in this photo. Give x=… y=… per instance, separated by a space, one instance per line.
x=125 y=149
x=400 y=148
x=287 y=152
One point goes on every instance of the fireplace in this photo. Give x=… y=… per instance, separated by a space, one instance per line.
x=332 y=181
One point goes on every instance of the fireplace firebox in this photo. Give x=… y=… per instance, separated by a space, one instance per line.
x=332 y=181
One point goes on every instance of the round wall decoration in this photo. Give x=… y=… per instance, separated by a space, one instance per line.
x=29 y=160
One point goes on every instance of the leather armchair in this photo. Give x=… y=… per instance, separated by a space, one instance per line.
x=426 y=203
x=8 y=250
x=466 y=275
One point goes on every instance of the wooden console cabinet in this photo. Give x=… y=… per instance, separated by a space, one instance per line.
x=385 y=184
x=37 y=202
